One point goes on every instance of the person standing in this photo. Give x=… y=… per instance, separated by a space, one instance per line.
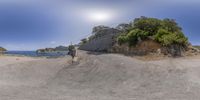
x=72 y=52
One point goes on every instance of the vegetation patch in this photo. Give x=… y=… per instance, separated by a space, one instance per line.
x=166 y=32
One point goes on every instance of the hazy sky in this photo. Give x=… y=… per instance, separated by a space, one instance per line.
x=33 y=24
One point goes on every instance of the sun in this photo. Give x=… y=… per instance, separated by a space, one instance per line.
x=99 y=16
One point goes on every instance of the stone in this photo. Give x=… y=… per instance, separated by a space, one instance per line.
x=102 y=39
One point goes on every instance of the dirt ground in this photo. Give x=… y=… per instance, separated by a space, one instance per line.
x=96 y=76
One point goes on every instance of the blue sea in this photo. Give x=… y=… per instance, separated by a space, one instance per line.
x=35 y=54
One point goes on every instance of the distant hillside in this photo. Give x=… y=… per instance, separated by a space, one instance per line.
x=59 y=48
x=2 y=49
x=197 y=47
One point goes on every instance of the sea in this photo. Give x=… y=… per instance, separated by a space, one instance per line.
x=35 y=54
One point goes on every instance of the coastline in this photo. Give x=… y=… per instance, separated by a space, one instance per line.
x=35 y=54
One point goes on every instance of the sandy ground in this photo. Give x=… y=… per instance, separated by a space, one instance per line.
x=96 y=76
x=6 y=60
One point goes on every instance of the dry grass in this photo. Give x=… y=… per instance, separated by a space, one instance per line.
x=151 y=57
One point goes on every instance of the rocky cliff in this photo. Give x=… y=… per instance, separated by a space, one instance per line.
x=102 y=39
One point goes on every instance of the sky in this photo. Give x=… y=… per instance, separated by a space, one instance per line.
x=34 y=24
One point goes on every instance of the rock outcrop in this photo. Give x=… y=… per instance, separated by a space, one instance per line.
x=101 y=40
x=192 y=50
x=142 y=36
x=141 y=48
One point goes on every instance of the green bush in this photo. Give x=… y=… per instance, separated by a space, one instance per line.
x=167 y=38
x=132 y=37
x=122 y=39
x=170 y=25
x=165 y=31
x=150 y=25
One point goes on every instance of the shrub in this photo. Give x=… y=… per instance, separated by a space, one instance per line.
x=167 y=38
x=165 y=31
x=150 y=25
x=122 y=39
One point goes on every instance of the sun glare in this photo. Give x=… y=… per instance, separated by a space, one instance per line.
x=99 y=16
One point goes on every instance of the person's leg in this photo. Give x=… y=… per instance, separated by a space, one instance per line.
x=72 y=59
